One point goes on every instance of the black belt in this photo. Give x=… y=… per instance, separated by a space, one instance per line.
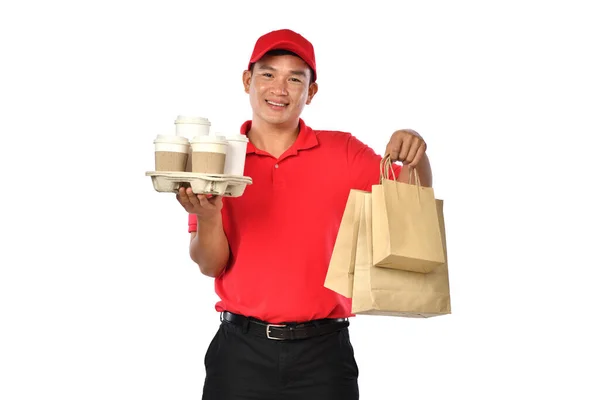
x=291 y=331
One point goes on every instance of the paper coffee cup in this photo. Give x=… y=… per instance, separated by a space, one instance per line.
x=170 y=153
x=190 y=127
x=236 y=154
x=209 y=154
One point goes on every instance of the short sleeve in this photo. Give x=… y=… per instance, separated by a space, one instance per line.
x=192 y=223
x=364 y=165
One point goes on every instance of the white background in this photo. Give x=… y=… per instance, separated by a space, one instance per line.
x=98 y=297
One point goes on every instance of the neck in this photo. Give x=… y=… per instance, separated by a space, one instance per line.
x=273 y=139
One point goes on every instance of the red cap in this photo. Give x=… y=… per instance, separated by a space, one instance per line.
x=285 y=39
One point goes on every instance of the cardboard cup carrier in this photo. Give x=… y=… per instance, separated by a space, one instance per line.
x=211 y=164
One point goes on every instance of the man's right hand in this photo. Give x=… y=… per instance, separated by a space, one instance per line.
x=206 y=207
x=209 y=247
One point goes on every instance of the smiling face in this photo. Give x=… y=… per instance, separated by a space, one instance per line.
x=279 y=87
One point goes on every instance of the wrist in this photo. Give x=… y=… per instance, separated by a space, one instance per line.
x=212 y=220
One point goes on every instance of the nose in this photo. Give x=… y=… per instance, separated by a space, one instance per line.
x=279 y=87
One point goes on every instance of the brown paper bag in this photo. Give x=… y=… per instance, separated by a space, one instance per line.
x=406 y=233
x=340 y=275
x=392 y=292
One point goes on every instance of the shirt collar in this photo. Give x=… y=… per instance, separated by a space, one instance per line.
x=306 y=138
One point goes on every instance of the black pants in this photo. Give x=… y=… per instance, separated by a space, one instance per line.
x=240 y=365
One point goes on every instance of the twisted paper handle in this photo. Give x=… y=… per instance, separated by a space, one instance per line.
x=386 y=165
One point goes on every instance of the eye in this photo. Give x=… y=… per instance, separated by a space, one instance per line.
x=296 y=80
x=267 y=74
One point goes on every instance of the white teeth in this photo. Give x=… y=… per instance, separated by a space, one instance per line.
x=275 y=104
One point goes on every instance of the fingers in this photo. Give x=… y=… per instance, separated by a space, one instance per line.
x=412 y=153
x=400 y=149
x=210 y=201
x=406 y=147
x=201 y=200
x=193 y=199
x=418 y=155
x=198 y=203
x=183 y=199
x=392 y=150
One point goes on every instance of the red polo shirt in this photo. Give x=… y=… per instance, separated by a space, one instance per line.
x=282 y=230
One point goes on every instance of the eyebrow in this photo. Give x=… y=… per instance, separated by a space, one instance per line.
x=270 y=68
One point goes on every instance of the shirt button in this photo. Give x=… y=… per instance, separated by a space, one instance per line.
x=276 y=165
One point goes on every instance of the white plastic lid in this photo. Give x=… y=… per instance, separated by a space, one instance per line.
x=184 y=119
x=171 y=139
x=209 y=139
x=237 y=138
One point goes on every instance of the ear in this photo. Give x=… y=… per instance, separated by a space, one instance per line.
x=312 y=90
x=246 y=77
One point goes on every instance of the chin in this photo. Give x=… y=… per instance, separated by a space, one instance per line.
x=277 y=120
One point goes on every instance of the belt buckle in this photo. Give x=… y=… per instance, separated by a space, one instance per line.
x=268 y=330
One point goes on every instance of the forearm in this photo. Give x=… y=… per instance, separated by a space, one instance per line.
x=423 y=169
x=209 y=248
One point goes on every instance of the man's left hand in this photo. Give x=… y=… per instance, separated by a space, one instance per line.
x=406 y=146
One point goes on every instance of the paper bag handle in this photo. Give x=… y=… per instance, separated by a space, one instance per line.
x=386 y=165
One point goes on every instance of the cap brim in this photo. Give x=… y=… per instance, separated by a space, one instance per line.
x=284 y=45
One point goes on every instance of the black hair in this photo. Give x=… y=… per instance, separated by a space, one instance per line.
x=279 y=52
